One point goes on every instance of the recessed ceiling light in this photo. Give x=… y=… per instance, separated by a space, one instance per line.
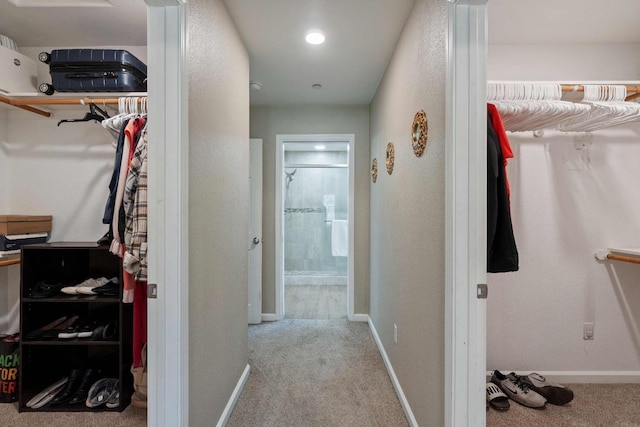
x=315 y=37
x=316 y=86
x=320 y=147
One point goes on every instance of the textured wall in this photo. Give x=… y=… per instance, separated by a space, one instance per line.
x=266 y=123
x=408 y=212
x=566 y=203
x=218 y=67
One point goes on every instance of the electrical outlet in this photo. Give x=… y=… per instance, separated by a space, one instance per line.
x=587 y=331
x=395 y=333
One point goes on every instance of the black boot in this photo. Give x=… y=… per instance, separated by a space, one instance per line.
x=75 y=378
x=83 y=390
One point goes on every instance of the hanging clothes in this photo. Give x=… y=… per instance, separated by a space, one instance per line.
x=502 y=254
x=135 y=206
x=505 y=146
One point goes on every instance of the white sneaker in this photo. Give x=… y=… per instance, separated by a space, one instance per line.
x=517 y=390
x=555 y=394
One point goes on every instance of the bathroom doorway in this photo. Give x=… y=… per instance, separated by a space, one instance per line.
x=314 y=255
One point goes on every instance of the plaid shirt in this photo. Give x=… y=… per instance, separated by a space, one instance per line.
x=135 y=207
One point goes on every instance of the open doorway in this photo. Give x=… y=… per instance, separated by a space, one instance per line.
x=314 y=232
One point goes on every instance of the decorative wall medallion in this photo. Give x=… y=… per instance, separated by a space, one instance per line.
x=391 y=157
x=419 y=132
x=374 y=170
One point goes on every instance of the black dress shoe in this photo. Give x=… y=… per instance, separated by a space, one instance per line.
x=75 y=378
x=45 y=289
x=83 y=390
x=111 y=288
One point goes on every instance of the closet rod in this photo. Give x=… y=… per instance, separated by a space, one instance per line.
x=66 y=101
x=623 y=258
x=9 y=262
x=24 y=106
x=634 y=89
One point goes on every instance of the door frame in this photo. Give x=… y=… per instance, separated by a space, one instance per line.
x=279 y=213
x=168 y=215
x=466 y=198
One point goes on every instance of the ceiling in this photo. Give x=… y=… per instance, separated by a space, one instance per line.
x=361 y=36
x=123 y=24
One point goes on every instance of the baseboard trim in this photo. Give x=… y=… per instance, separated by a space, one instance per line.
x=394 y=379
x=224 y=418
x=586 y=377
x=360 y=318
x=269 y=317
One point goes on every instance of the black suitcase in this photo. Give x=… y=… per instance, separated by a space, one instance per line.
x=93 y=70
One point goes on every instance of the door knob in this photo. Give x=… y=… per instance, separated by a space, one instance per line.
x=255 y=241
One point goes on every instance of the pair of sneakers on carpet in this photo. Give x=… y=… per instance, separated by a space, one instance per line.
x=532 y=390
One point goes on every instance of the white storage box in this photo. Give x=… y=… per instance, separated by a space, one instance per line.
x=18 y=73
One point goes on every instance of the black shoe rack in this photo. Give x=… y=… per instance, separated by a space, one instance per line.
x=45 y=361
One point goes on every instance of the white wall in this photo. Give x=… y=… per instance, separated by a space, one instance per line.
x=566 y=203
x=266 y=123
x=218 y=66
x=564 y=62
x=408 y=212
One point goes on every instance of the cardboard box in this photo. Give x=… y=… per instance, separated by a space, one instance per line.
x=23 y=224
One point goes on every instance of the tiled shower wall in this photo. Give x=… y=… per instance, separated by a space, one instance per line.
x=306 y=226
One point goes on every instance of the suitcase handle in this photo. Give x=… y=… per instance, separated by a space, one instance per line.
x=110 y=74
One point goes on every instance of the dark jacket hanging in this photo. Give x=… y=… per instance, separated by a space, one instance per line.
x=502 y=254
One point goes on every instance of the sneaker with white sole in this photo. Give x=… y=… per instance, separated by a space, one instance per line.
x=555 y=394
x=517 y=390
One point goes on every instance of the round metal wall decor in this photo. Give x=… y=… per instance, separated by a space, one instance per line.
x=419 y=133
x=374 y=170
x=391 y=158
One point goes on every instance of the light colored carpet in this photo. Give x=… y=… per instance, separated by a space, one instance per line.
x=593 y=405
x=316 y=373
x=130 y=417
x=315 y=301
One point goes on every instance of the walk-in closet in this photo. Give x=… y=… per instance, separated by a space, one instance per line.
x=57 y=160
x=570 y=312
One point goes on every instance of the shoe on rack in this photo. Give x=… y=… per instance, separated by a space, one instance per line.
x=46 y=395
x=70 y=387
x=85 y=287
x=513 y=387
x=86 y=328
x=114 y=399
x=101 y=391
x=38 y=332
x=111 y=288
x=55 y=332
x=45 y=289
x=82 y=391
x=555 y=394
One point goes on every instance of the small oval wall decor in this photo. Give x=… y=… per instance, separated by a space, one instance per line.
x=391 y=158
x=419 y=132
x=374 y=170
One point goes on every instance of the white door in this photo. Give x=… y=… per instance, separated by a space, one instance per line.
x=255 y=233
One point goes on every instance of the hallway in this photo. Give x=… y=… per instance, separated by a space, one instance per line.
x=316 y=373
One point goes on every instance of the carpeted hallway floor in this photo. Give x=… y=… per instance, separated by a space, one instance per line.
x=316 y=373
